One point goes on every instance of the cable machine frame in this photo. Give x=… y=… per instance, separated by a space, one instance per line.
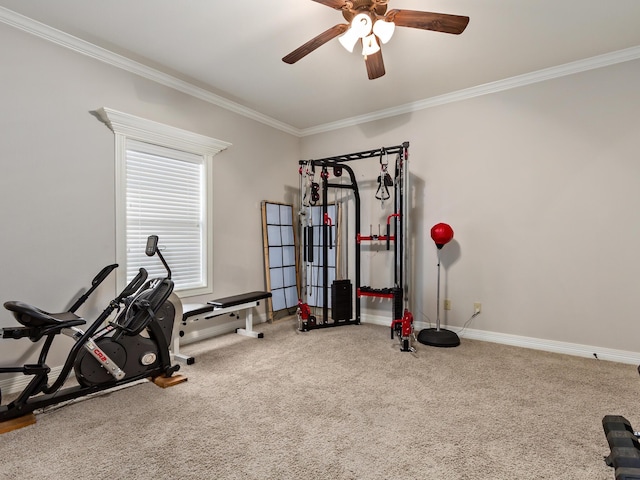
x=402 y=321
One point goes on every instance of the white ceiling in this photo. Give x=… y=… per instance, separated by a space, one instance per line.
x=234 y=48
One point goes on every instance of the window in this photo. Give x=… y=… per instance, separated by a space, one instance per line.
x=163 y=187
x=165 y=193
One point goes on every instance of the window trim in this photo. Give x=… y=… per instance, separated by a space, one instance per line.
x=126 y=126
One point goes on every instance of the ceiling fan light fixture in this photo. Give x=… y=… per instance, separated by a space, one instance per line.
x=370 y=45
x=361 y=25
x=370 y=21
x=349 y=39
x=384 y=30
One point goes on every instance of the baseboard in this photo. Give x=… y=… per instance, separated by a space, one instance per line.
x=587 y=351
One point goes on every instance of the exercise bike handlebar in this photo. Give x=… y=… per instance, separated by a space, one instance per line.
x=134 y=285
x=97 y=280
x=104 y=273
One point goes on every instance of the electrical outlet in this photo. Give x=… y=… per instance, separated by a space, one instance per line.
x=447 y=304
x=477 y=308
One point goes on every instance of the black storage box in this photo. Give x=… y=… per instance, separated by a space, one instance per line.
x=341 y=300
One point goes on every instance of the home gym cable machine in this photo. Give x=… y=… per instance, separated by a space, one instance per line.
x=320 y=182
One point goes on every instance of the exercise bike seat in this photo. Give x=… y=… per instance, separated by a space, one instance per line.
x=33 y=317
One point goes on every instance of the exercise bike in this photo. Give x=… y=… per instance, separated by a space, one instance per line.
x=110 y=353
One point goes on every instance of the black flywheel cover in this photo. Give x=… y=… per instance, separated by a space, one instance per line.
x=90 y=372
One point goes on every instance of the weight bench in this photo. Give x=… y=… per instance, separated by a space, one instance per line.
x=214 y=308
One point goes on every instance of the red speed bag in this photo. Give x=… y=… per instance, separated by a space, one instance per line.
x=442 y=234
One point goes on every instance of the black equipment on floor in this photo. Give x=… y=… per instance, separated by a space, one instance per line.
x=110 y=353
x=341 y=300
x=624 y=445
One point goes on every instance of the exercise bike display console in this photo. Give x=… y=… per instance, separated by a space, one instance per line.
x=111 y=352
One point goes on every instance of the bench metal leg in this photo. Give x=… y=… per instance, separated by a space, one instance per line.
x=179 y=357
x=248 y=330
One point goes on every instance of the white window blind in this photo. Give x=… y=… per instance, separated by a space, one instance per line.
x=165 y=196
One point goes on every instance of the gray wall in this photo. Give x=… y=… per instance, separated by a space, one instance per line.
x=57 y=183
x=540 y=184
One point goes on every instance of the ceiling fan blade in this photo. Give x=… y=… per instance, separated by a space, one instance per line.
x=337 y=4
x=375 y=65
x=439 y=22
x=315 y=42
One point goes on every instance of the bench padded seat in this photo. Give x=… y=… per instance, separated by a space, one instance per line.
x=239 y=299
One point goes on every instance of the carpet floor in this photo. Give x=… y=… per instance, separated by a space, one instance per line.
x=339 y=403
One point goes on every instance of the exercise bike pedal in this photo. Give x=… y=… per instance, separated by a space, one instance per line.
x=36 y=369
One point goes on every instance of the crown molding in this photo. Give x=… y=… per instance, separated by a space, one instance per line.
x=592 y=63
x=85 y=48
x=73 y=43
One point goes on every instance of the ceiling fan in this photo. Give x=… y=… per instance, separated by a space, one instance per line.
x=371 y=23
